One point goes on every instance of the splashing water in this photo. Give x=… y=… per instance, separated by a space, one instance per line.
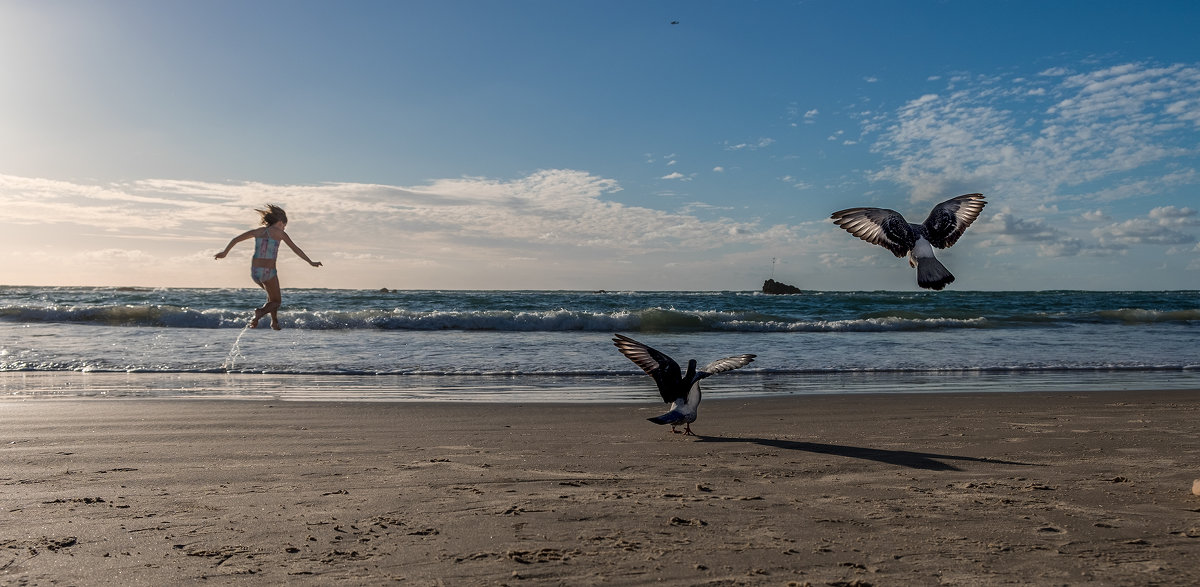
x=235 y=351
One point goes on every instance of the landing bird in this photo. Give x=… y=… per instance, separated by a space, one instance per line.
x=888 y=229
x=683 y=389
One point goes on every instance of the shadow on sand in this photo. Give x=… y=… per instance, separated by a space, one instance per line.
x=902 y=458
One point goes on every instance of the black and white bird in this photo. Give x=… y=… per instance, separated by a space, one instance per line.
x=887 y=228
x=682 y=389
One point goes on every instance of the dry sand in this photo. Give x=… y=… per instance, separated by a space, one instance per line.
x=1031 y=488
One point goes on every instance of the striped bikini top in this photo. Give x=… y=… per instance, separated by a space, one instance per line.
x=266 y=247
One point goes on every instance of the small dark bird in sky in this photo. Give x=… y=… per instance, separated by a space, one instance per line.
x=674 y=22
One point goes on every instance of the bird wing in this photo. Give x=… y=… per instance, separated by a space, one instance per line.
x=726 y=364
x=662 y=368
x=950 y=219
x=878 y=226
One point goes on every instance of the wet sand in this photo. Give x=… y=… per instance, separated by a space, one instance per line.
x=963 y=489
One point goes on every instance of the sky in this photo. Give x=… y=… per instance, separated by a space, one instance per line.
x=586 y=145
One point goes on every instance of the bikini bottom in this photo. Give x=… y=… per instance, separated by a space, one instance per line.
x=261 y=275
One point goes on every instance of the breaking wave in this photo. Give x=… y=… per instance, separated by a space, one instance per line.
x=558 y=320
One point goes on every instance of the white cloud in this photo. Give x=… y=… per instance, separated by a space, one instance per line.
x=1055 y=72
x=1109 y=124
x=719 y=169
x=359 y=256
x=752 y=146
x=1163 y=225
x=1063 y=234
x=1141 y=187
x=1008 y=228
x=1067 y=247
x=1005 y=230
x=673 y=175
x=470 y=222
x=118 y=255
x=1173 y=216
x=795 y=182
x=1187 y=109
x=840 y=261
x=1141 y=231
x=693 y=206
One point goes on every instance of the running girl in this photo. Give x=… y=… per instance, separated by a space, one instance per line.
x=262 y=266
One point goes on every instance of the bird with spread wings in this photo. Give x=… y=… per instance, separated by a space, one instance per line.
x=888 y=229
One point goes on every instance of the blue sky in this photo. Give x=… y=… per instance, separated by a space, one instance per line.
x=595 y=145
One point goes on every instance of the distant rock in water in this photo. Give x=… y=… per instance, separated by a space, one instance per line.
x=773 y=287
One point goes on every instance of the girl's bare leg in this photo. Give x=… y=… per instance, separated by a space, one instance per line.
x=258 y=313
x=274 y=300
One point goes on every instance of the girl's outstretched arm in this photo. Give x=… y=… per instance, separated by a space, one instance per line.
x=295 y=249
x=237 y=239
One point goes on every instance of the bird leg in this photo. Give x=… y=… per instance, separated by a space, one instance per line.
x=687 y=430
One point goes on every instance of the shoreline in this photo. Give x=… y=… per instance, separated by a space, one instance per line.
x=604 y=388
x=967 y=489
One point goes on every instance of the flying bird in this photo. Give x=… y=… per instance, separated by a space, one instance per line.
x=682 y=389
x=888 y=229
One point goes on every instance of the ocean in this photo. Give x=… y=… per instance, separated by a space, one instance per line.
x=527 y=346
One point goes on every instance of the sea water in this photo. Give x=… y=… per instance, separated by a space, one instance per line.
x=556 y=345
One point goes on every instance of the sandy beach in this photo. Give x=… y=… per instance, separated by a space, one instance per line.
x=970 y=489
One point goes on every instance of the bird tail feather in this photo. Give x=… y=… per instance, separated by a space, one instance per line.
x=667 y=418
x=931 y=274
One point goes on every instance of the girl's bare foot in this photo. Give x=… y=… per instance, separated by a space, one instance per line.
x=258 y=314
